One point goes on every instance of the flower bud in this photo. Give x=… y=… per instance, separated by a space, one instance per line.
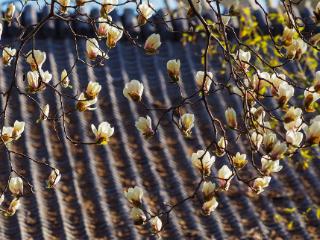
x=65 y=81
x=134 y=196
x=256 y=139
x=231 y=117
x=200 y=79
x=208 y=190
x=93 y=89
x=310 y=97
x=152 y=44
x=203 y=162
x=209 y=206
x=156 y=224
x=44 y=113
x=186 y=123
x=53 y=178
x=138 y=216
x=221 y=147
x=107 y=7
x=173 y=69
x=144 y=126
x=243 y=59
x=16 y=186
x=225 y=175
x=18 y=129
x=93 y=49
x=145 y=12
x=7 y=55
x=103 y=133
x=133 y=90
x=114 y=34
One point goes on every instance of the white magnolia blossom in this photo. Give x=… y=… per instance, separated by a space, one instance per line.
x=93 y=49
x=16 y=186
x=173 y=69
x=287 y=35
x=285 y=92
x=7 y=55
x=103 y=26
x=256 y=139
x=103 y=133
x=269 y=166
x=93 y=90
x=186 y=123
x=292 y=119
x=207 y=82
x=221 y=148
x=278 y=150
x=64 y=5
x=133 y=90
x=260 y=80
x=260 y=183
x=243 y=59
x=225 y=173
x=114 y=34
x=296 y=49
x=208 y=190
x=209 y=206
x=13 y=207
x=144 y=125
x=8 y=134
x=152 y=44
x=10 y=12
x=84 y=104
x=64 y=79
x=38 y=82
x=138 y=216
x=294 y=138
x=156 y=224
x=276 y=80
x=239 y=160
x=36 y=58
x=108 y=6
x=269 y=140
x=231 y=117
x=44 y=114
x=134 y=195
x=53 y=178
x=145 y=12
x=313 y=131
x=310 y=97
x=203 y=162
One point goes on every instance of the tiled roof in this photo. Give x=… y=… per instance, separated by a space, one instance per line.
x=88 y=203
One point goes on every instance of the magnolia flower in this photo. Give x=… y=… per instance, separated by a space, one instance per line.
x=200 y=79
x=65 y=81
x=53 y=178
x=84 y=104
x=285 y=92
x=137 y=216
x=317 y=82
x=133 y=90
x=313 y=131
x=145 y=12
x=294 y=138
x=16 y=186
x=107 y=7
x=239 y=160
x=152 y=44
x=296 y=49
x=209 y=206
x=93 y=89
x=93 y=49
x=221 y=146
x=278 y=150
x=260 y=81
x=292 y=118
x=256 y=139
x=134 y=195
x=44 y=114
x=13 y=207
x=310 y=97
x=202 y=161
x=37 y=83
x=144 y=126
x=156 y=224
x=243 y=59
x=103 y=133
x=173 y=69
x=276 y=80
x=64 y=5
x=186 y=123
x=36 y=58
x=208 y=190
x=269 y=166
x=103 y=26
x=114 y=34
x=231 y=117
x=9 y=134
x=260 y=183
x=225 y=175
x=7 y=55
x=287 y=35
x=10 y=12
x=6 y=134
